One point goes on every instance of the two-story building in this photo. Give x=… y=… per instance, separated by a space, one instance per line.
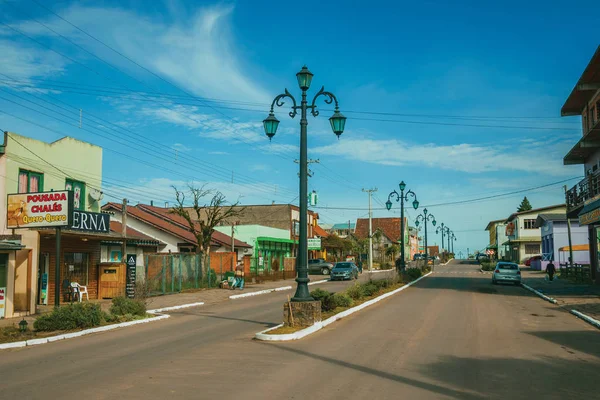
x=524 y=239
x=555 y=236
x=28 y=255
x=386 y=233
x=583 y=199
x=497 y=231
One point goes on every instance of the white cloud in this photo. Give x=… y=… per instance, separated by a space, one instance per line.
x=195 y=52
x=22 y=62
x=181 y=147
x=464 y=157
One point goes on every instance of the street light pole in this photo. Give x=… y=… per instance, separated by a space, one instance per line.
x=441 y=229
x=401 y=197
x=370 y=191
x=337 y=122
x=425 y=217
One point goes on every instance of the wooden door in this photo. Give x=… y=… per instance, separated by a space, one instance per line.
x=112 y=280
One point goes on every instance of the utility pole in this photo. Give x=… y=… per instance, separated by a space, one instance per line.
x=568 y=232
x=370 y=191
x=233 y=256
x=124 y=231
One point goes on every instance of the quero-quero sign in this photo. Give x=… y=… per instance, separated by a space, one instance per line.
x=39 y=210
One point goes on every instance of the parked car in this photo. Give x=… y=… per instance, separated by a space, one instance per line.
x=344 y=270
x=418 y=256
x=319 y=266
x=506 y=272
x=530 y=259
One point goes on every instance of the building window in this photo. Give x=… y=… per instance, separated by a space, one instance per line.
x=76 y=267
x=529 y=224
x=30 y=182
x=532 y=249
x=78 y=189
x=593 y=117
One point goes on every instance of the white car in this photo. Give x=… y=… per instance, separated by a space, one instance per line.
x=506 y=272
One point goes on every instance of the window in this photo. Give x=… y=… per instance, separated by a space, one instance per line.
x=529 y=224
x=532 y=248
x=30 y=182
x=76 y=268
x=78 y=189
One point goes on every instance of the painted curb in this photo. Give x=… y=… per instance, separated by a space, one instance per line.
x=263 y=335
x=375 y=271
x=50 y=339
x=586 y=318
x=160 y=310
x=543 y=296
x=267 y=291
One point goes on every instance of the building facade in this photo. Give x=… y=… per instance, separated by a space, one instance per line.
x=524 y=240
x=27 y=261
x=583 y=199
x=497 y=232
x=555 y=236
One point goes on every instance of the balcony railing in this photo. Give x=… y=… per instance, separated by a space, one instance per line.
x=587 y=188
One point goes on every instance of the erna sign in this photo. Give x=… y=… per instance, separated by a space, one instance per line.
x=90 y=222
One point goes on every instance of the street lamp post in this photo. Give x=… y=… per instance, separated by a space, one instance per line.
x=338 y=122
x=453 y=240
x=401 y=197
x=425 y=217
x=441 y=229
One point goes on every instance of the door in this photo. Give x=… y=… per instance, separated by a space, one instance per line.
x=42 y=287
x=3 y=273
x=113 y=280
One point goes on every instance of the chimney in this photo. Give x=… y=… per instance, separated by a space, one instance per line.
x=166 y=204
x=151 y=203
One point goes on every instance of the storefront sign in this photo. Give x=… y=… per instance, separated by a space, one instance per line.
x=590 y=217
x=90 y=222
x=510 y=230
x=2 y=301
x=314 y=244
x=130 y=286
x=39 y=210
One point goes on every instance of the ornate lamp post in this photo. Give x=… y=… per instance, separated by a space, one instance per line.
x=439 y=229
x=453 y=240
x=401 y=198
x=425 y=217
x=338 y=122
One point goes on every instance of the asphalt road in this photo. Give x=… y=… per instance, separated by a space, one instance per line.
x=452 y=335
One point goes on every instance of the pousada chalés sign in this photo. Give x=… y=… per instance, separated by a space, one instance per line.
x=39 y=210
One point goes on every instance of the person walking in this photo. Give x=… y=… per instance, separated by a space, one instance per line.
x=239 y=276
x=550 y=270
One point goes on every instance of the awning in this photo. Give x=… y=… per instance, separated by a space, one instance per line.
x=577 y=247
x=522 y=240
x=10 y=245
x=590 y=213
x=492 y=246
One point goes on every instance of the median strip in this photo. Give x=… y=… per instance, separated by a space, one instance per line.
x=540 y=294
x=267 y=291
x=264 y=335
x=586 y=318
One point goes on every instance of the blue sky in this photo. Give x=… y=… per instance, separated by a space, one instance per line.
x=474 y=92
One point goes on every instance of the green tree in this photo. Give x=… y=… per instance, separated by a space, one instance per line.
x=525 y=205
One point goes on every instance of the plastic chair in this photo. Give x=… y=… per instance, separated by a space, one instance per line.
x=80 y=290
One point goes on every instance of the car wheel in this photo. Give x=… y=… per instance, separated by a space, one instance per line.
x=325 y=271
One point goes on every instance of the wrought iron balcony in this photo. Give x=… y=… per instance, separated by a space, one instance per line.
x=587 y=188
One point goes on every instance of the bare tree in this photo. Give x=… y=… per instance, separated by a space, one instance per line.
x=202 y=217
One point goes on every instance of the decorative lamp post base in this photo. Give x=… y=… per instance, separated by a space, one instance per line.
x=303 y=313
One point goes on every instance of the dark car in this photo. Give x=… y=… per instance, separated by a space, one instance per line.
x=319 y=266
x=418 y=256
x=344 y=270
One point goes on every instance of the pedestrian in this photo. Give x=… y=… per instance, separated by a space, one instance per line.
x=550 y=270
x=239 y=276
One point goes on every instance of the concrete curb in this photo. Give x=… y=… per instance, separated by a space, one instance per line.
x=35 y=342
x=263 y=335
x=375 y=271
x=160 y=310
x=586 y=318
x=540 y=294
x=267 y=291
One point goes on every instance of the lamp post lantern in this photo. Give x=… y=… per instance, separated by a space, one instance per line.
x=453 y=240
x=401 y=198
x=270 y=124
x=425 y=217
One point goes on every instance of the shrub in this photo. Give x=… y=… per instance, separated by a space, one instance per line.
x=328 y=303
x=320 y=294
x=369 y=289
x=355 y=291
x=413 y=273
x=386 y=265
x=73 y=316
x=124 y=306
x=487 y=266
x=342 y=300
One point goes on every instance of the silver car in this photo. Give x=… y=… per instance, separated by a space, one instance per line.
x=506 y=272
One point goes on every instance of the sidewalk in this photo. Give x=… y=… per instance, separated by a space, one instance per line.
x=208 y=296
x=581 y=297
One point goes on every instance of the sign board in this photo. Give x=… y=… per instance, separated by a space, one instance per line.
x=589 y=217
x=314 y=244
x=39 y=210
x=130 y=286
x=90 y=222
x=510 y=230
x=2 y=301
